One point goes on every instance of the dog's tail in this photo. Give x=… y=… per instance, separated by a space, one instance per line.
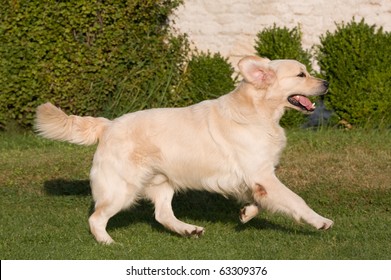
x=52 y=123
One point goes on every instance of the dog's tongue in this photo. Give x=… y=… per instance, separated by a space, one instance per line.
x=304 y=101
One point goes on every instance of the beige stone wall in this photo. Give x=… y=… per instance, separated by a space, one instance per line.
x=230 y=26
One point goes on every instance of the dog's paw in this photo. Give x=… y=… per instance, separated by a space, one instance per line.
x=325 y=224
x=105 y=241
x=196 y=232
x=248 y=212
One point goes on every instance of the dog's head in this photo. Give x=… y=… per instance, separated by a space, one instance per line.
x=284 y=83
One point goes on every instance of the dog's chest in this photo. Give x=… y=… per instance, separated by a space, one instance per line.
x=258 y=153
x=260 y=146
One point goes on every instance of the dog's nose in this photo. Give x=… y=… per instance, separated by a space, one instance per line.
x=326 y=84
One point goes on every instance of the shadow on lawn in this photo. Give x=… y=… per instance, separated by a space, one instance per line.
x=197 y=206
x=63 y=187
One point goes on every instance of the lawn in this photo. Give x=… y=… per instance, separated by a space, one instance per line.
x=45 y=202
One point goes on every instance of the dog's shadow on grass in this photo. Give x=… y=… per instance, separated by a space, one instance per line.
x=193 y=206
x=63 y=187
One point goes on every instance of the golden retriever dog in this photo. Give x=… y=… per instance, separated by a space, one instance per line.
x=229 y=145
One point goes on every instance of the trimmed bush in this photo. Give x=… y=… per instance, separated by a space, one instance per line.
x=88 y=57
x=283 y=43
x=356 y=60
x=207 y=76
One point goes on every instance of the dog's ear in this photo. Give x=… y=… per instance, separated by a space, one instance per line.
x=255 y=70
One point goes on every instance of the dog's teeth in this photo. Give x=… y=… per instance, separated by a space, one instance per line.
x=313 y=104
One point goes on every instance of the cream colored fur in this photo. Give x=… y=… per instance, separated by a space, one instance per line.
x=229 y=145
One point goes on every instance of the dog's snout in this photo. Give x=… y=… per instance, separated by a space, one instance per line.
x=326 y=84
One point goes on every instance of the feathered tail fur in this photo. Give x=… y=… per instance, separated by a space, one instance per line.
x=52 y=123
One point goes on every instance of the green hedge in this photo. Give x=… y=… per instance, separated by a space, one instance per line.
x=207 y=76
x=100 y=58
x=356 y=60
x=282 y=43
x=88 y=57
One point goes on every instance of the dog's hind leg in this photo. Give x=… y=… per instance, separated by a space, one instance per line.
x=161 y=196
x=110 y=198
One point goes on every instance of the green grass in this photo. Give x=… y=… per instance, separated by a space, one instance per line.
x=45 y=202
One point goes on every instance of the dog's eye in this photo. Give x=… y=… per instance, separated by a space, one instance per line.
x=302 y=75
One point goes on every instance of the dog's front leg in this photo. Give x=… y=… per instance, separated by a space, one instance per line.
x=274 y=196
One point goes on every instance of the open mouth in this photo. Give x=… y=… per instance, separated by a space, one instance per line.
x=302 y=102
